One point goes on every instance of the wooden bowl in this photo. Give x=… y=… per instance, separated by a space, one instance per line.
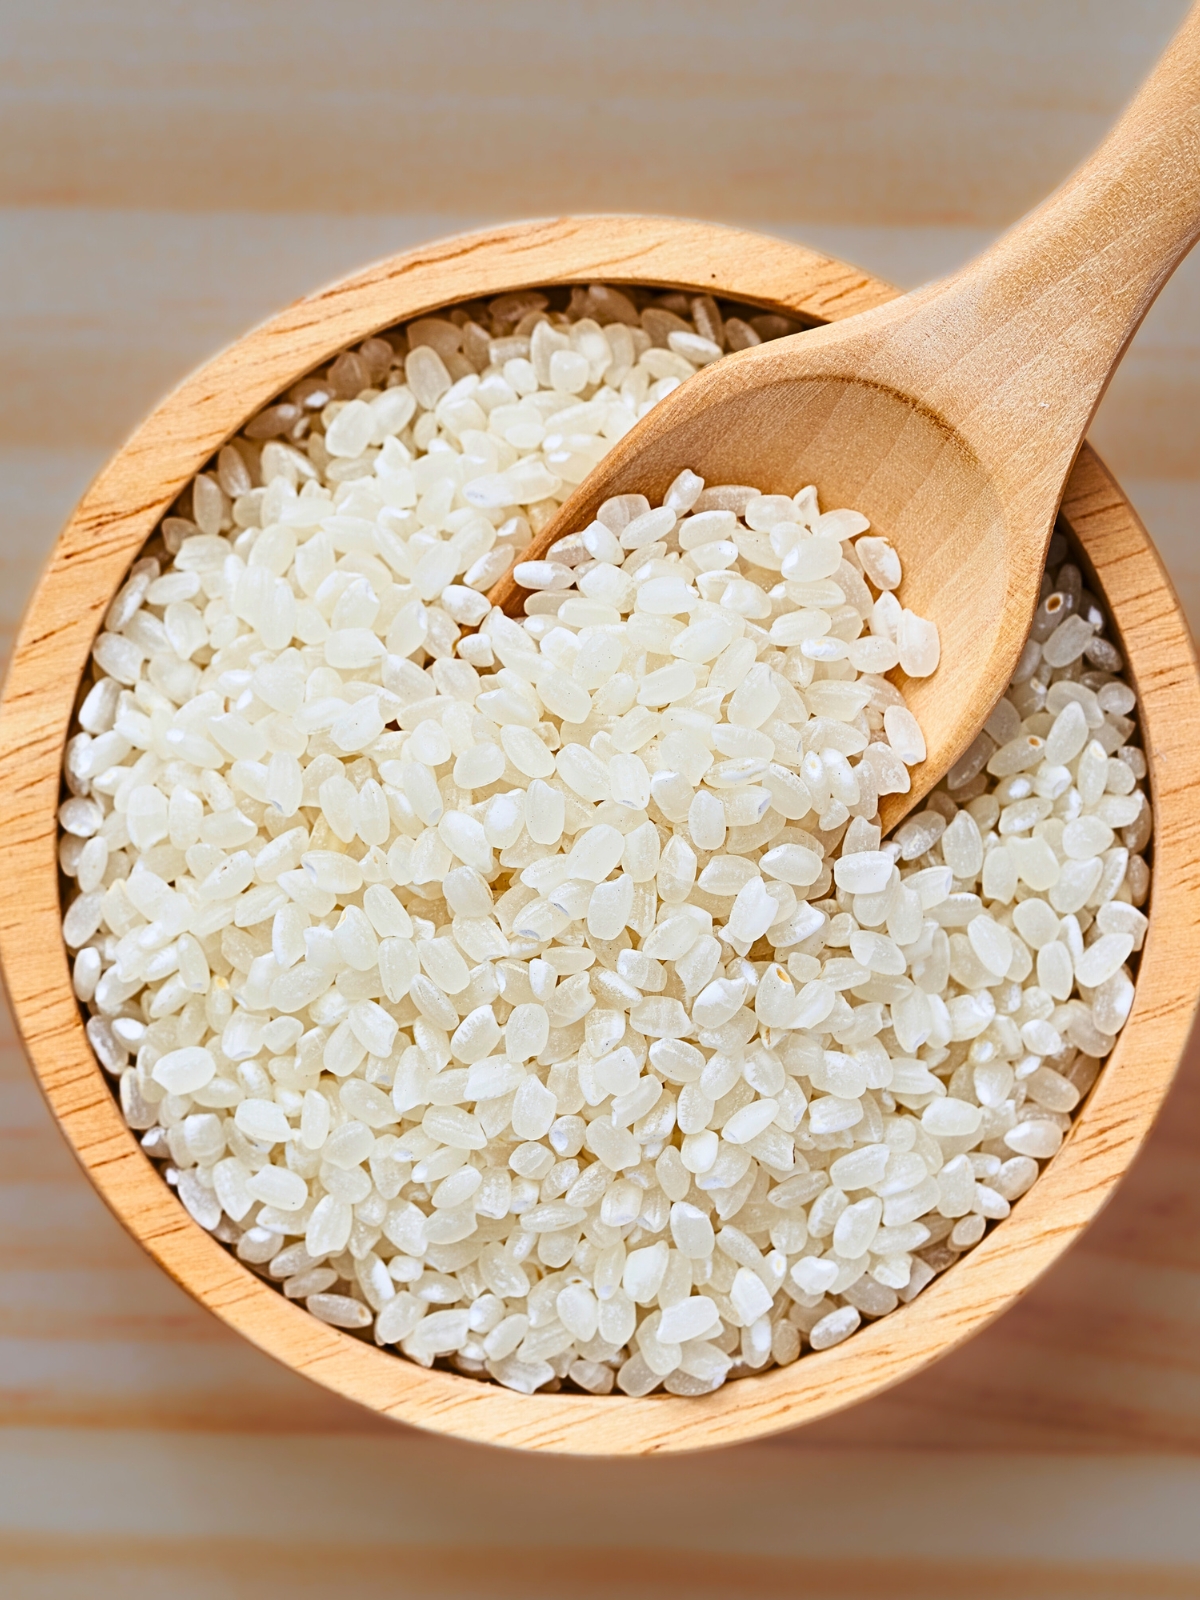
x=88 y=565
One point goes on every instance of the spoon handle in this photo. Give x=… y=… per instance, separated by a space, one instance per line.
x=1017 y=348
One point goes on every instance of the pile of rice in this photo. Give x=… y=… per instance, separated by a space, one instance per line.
x=542 y=999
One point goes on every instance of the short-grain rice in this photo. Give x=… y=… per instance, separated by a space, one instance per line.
x=542 y=999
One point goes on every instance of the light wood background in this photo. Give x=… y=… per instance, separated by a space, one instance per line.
x=169 y=173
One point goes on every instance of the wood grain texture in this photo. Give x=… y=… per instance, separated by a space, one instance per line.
x=950 y=418
x=88 y=563
x=240 y=1516
x=141 y=1570
x=929 y=111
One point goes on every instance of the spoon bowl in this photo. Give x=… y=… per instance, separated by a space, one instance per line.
x=864 y=445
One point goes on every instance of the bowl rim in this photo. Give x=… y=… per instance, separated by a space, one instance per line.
x=113 y=521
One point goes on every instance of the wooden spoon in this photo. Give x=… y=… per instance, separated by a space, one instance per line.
x=950 y=417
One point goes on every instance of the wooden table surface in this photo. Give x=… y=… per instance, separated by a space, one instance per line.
x=167 y=177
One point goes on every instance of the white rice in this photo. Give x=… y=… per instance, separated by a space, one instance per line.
x=542 y=1000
